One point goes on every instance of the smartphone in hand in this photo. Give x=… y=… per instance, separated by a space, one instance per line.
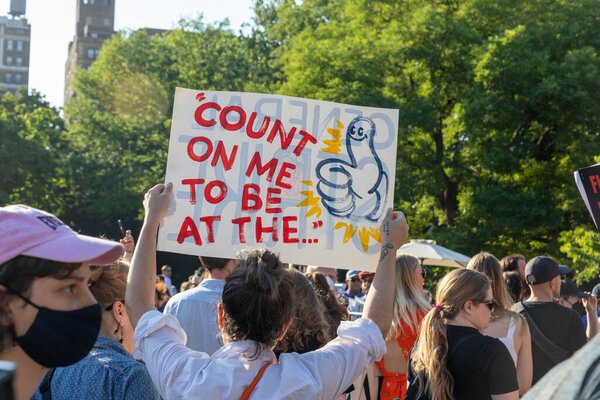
x=121 y=227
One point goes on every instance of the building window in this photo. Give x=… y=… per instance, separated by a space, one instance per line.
x=17 y=78
x=9 y=60
x=19 y=61
x=92 y=53
x=9 y=44
x=106 y=22
x=8 y=77
x=19 y=45
x=105 y=3
x=88 y=1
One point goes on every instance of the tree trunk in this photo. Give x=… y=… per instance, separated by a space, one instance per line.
x=448 y=198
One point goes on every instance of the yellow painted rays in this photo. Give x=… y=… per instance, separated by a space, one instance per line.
x=334 y=146
x=311 y=201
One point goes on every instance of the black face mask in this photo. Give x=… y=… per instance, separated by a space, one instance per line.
x=60 y=338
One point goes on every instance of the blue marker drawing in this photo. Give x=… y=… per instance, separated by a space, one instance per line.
x=340 y=194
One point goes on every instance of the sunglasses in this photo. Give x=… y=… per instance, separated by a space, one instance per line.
x=489 y=304
x=354 y=279
x=423 y=273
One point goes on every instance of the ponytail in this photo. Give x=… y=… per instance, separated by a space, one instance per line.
x=430 y=355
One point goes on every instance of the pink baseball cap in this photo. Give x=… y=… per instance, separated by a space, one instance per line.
x=31 y=232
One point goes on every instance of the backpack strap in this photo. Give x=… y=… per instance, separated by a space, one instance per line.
x=46 y=385
x=554 y=352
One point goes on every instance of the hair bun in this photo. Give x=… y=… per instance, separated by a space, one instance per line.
x=264 y=272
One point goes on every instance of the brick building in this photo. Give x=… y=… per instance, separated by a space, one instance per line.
x=15 y=36
x=94 y=24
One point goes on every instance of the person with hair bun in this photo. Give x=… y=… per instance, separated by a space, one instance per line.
x=109 y=370
x=508 y=326
x=256 y=311
x=452 y=359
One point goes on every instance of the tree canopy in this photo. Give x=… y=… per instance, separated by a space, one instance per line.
x=498 y=106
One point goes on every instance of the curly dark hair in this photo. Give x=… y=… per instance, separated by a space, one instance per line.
x=309 y=327
x=335 y=311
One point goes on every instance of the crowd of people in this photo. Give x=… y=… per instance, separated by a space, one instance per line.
x=88 y=318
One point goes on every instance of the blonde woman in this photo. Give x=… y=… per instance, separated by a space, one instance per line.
x=452 y=358
x=510 y=327
x=410 y=306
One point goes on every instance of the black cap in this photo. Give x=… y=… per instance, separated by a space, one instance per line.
x=564 y=270
x=542 y=269
x=569 y=288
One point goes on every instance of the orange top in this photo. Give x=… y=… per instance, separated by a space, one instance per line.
x=394 y=383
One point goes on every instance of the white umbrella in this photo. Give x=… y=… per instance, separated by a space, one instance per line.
x=431 y=253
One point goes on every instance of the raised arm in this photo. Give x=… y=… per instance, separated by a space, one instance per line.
x=591 y=309
x=139 y=297
x=379 y=306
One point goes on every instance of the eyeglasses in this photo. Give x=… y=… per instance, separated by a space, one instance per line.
x=490 y=304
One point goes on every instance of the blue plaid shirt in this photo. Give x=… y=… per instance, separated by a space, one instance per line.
x=107 y=372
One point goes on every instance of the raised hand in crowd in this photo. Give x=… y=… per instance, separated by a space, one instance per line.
x=591 y=310
x=128 y=246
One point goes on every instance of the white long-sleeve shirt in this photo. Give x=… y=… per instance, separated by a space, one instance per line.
x=181 y=373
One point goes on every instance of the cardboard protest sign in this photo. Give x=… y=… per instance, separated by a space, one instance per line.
x=588 y=183
x=309 y=180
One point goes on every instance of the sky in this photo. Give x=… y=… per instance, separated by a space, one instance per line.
x=53 y=26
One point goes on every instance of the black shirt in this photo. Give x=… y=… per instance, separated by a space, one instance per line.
x=562 y=326
x=480 y=365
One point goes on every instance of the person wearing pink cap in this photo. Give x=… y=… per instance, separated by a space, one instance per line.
x=48 y=316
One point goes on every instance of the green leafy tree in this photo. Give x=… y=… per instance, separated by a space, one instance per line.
x=119 y=121
x=497 y=105
x=31 y=151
